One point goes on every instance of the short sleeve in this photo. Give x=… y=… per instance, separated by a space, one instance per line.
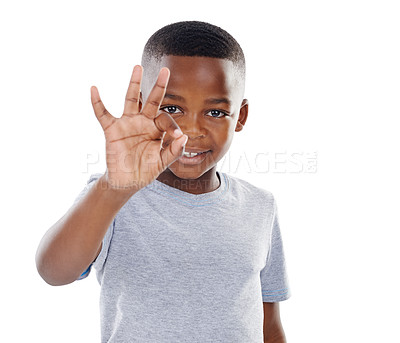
x=99 y=261
x=274 y=281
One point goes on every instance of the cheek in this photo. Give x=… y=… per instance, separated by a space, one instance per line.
x=224 y=139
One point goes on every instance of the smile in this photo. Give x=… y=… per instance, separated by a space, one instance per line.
x=193 y=157
x=192 y=154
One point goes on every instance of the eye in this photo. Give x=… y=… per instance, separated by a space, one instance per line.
x=170 y=109
x=218 y=113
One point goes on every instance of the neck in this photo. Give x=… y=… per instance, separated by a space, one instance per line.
x=206 y=183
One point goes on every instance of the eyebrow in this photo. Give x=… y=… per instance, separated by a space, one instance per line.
x=174 y=97
x=218 y=101
x=211 y=101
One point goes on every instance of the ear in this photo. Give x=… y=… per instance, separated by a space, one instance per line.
x=244 y=111
x=140 y=101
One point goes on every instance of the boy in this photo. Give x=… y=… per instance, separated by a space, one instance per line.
x=183 y=253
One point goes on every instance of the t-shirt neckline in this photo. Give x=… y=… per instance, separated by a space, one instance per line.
x=178 y=194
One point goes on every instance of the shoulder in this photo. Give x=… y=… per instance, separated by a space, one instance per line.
x=247 y=189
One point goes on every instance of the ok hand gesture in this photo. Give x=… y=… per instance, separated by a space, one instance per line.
x=136 y=148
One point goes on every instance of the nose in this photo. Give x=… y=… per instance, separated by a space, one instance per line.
x=192 y=126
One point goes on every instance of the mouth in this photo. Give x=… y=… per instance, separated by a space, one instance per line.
x=193 y=157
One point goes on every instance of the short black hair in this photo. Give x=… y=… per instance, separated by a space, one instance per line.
x=194 y=38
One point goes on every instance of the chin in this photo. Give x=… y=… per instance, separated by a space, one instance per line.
x=184 y=172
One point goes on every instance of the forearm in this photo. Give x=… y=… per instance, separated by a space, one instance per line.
x=275 y=336
x=72 y=243
x=275 y=339
x=274 y=333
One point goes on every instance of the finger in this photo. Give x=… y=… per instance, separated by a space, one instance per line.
x=156 y=95
x=102 y=115
x=174 y=151
x=165 y=123
x=133 y=93
x=166 y=140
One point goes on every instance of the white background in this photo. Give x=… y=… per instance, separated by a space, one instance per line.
x=323 y=85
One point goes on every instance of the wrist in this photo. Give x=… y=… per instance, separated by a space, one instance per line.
x=114 y=192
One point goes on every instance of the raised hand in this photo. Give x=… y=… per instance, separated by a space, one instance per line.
x=136 y=149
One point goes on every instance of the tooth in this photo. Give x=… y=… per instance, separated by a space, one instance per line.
x=191 y=154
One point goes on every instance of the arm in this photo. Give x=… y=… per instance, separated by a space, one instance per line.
x=136 y=154
x=273 y=331
x=74 y=242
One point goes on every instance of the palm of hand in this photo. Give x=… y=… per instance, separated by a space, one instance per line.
x=135 y=146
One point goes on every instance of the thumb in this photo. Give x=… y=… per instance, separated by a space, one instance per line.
x=173 y=151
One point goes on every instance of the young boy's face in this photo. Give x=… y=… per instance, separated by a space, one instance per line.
x=205 y=98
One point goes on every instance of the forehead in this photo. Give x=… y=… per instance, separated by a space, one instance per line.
x=200 y=75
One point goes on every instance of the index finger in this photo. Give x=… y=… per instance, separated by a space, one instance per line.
x=156 y=95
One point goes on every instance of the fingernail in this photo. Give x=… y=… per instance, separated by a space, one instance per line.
x=178 y=133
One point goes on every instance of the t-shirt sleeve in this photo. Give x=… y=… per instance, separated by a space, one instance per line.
x=274 y=281
x=99 y=261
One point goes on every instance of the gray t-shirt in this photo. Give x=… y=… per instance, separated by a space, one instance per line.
x=182 y=267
